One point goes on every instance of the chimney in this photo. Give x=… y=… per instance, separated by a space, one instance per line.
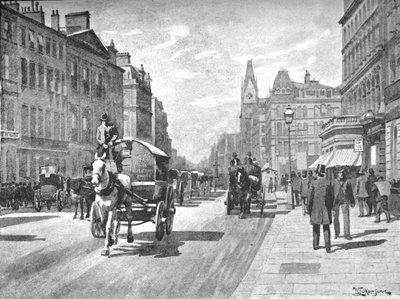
x=12 y=4
x=123 y=59
x=77 y=21
x=113 y=52
x=36 y=13
x=55 y=20
x=307 y=78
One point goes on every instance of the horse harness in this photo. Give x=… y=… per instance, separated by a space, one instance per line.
x=112 y=183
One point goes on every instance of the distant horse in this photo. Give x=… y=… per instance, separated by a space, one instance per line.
x=80 y=192
x=248 y=187
x=109 y=195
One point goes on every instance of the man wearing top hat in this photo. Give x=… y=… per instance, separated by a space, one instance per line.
x=320 y=208
x=343 y=198
x=235 y=160
x=102 y=135
x=248 y=160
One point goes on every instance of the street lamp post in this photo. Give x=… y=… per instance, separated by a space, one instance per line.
x=289 y=114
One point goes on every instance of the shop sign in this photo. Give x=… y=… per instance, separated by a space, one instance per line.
x=358 y=145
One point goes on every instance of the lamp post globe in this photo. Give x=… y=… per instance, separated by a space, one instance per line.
x=288 y=114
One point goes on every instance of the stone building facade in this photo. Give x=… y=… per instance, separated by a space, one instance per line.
x=137 y=100
x=50 y=104
x=364 y=79
x=313 y=104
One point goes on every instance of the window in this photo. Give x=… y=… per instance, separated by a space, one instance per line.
x=32 y=74
x=40 y=43
x=323 y=110
x=50 y=84
x=64 y=87
x=61 y=51
x=41 y=76
x=74 y=126
x=40 y=123
x=58 y=82
x=263 y=141
x=298 y=111
x=24 y=71
x=31 y=40
x=322 y=92
x=24 y=122
x=62 y=136
x=328 y=93
x=23 y=36
x=74 y=75
x=310 y=92
x=305 y=112
x=6 y=66
x=8 y=29
x=86 y=80
x=33 y=121
x=48 y=124
x=316 y=111
x=54 y=49
x=305 y=128
x=56 y=126
x=279 y=129
x=48 y=45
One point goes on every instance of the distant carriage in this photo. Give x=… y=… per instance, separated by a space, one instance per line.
x=50 y=191
x=151 y=193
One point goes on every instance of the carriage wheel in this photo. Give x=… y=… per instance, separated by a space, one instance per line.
x=37 y=204
x=48 y=202
x=228 y=203
x=59 y=202
x=96 y=227
x=159 y=223
x=169 y=222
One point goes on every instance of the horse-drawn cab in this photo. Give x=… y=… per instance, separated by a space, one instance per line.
x=51 y=189
x=153 y=195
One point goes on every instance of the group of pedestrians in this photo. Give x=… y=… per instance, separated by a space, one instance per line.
x=337 y=196
x=13 y=195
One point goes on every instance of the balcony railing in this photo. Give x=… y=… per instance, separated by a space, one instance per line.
x=341 y=120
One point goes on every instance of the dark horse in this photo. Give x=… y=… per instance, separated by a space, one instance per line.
x=247 y=187
x=81 y=191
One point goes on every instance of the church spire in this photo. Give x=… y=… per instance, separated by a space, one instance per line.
x=249 y=77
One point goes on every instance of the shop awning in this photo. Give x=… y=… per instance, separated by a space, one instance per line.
x=323 y=159
x=345 y=157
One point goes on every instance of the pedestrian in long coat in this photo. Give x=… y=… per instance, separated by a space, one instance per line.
x=362 y=193
x=320 y=208
x=304 y=192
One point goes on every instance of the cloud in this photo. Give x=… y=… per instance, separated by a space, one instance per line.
x=311 y=60
x=208 y=54
x=180 y=53
x=133 y=32
x=181 y=74
x=175 y=33
x=110 y=32
x=213 y=101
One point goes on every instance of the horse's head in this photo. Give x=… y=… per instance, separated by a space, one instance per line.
x=99 y=167
x=241 y=177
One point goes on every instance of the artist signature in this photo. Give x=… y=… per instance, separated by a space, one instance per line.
x=361 y=291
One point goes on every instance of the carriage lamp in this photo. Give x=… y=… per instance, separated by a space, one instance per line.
x=289 y=115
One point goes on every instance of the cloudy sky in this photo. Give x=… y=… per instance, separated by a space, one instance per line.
x=196 y=52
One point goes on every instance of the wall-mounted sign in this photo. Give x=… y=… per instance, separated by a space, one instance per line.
x=358 y=145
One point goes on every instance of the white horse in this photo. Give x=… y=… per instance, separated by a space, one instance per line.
x=108 y=198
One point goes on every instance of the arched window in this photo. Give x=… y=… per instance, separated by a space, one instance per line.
x=316 y=111
x=316 y=129
x=277 y=111
x=300 y=129
x=323 y=110
x=305 y=111
x=298 y=112
x=329 y=110
x=74 y=126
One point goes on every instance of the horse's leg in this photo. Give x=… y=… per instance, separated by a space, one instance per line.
x=87 y=200
x=81 y=205
x=115 y=226
x=76 y=207
x=248 y=202
x=108 y=241
x=242 y=207
x=128 y=207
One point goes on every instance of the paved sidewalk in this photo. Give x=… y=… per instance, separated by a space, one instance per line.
x=286 y=265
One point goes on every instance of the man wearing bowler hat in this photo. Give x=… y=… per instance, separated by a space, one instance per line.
x=320 y=208
x=343 y=198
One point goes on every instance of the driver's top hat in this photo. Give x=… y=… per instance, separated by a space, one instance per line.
x=104 y=117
